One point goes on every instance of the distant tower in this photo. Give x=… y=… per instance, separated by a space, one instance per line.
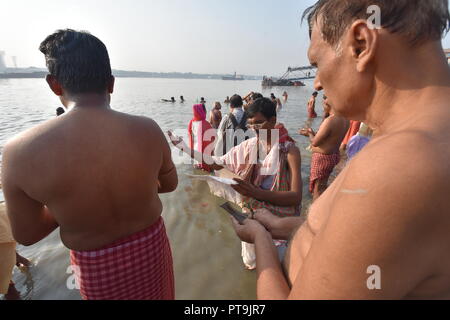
x=14 y=60
x=2 y=62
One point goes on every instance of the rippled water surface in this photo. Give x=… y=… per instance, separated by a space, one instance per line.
x=205 y=248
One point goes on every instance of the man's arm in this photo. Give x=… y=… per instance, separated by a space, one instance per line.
x=271 y=283
x=168 y=177
x=30 y=220
x=317 y=139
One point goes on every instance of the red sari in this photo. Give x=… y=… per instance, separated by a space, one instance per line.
x=202 y=141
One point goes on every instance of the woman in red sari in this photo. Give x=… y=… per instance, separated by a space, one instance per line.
x=201 y=134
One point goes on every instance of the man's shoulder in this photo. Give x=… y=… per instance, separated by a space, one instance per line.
x=406 y=162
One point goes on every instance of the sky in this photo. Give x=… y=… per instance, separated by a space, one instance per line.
x=253 y=37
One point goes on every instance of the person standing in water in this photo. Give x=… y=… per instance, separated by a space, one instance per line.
x=74 y=174
x=215 y=117
x=325 y=147
x=312 y=106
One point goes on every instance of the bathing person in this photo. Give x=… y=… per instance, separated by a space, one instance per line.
x=380 y=231
x=325 y=147
x=312 y=106
x=215 y=117
x=76 y=172
x=197 y=131
x=232 y=127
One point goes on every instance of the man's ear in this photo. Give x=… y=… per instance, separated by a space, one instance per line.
x=54 y=85
x=363 y=42
x=111 y=85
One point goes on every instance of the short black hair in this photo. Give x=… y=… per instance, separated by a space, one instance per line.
x=236 y=101
x=265 y=106
x=257 y=96
x=78 y=60
x=416 y=20
x=315 y=94
x=60 y=111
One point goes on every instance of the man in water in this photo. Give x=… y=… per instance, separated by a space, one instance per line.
x=95 y=173
x=312 y=106
x=325 y=147
x=380 y=231
x=181 y=99
x=235 y=121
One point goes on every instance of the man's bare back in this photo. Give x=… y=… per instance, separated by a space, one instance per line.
x=96 y=170
x=330 y=135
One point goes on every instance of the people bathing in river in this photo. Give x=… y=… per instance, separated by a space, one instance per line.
x=172 y=100
x=86 y=172
x=312 y=106
x=272 y=181
x=215 y=117
x=227 y=100
x=285 y=96
x=325 y=147
x=198 y=134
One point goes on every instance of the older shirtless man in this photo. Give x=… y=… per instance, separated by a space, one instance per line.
x=380 y=231
x=325 y=147
x=95 y=173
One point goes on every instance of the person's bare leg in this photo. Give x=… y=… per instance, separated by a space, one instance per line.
x=320 y=187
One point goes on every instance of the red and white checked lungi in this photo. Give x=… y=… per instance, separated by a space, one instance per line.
x=322 y=166
x=138 y=267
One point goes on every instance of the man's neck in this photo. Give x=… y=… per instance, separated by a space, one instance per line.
x=406 y=89
x=98 y=101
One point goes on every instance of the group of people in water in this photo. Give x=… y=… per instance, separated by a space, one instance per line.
x=97 y=174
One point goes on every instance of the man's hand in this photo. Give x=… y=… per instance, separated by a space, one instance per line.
x=279 y=228
x=247 y=189
x=248 y=230
x=304 y=132
x=177 y=141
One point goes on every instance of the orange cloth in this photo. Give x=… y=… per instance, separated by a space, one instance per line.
x=352 y=131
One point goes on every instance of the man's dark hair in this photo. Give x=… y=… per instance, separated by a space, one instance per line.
x=78 y=60
x=315 y=94
x=257 y=96
x=236 y=101
x=60 y=111
x=416 y=20
x=265 y=106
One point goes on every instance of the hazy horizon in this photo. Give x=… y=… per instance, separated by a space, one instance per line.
x=253 y=37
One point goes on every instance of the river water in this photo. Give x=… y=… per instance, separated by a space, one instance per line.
x=206 y=250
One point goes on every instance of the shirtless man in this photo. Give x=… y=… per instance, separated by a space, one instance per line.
x=95 y=173
x=312 y=106
x=325 y=147
x=380 y=231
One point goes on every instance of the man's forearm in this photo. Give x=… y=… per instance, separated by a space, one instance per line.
x=280 y=198
x=202 y=158
x=271 y=283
